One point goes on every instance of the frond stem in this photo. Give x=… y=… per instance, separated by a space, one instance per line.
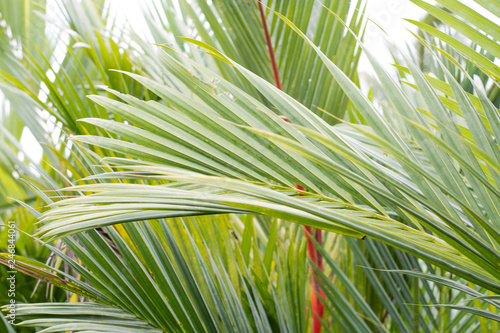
x=313 y=254
x=270 y=47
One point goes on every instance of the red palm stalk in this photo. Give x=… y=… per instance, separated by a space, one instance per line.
x=317 y=306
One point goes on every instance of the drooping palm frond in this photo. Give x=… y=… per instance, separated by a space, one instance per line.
x=324 y=164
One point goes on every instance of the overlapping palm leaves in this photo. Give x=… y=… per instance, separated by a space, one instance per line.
x=235 y=28
x=210 y=140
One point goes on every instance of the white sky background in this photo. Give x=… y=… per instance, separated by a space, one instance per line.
x=389 y=15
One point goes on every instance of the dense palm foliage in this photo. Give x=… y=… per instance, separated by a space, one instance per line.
x=178 y=173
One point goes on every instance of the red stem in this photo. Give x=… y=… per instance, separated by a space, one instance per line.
x=317 y=306
x=314 y=255
x=270 y=47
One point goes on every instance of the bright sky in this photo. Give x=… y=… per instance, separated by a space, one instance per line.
x=389 y=15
